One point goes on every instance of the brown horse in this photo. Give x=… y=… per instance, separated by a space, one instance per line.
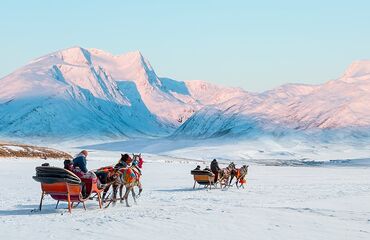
x=112 y=176
x=239 y=174
x=225 y=173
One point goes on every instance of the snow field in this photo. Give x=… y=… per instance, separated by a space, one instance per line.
x=278 y=203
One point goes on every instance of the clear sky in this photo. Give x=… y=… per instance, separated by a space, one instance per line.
x=256 y=45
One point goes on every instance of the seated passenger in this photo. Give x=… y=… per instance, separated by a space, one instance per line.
x=68 y=164
x=197 y=168
x=80 y=168
x=207 y=169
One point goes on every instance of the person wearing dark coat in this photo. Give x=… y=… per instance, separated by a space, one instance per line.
x=80 y=161
x=215 y=168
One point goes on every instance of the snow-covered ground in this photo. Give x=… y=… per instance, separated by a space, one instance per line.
x=263 y=150
x=279 y=202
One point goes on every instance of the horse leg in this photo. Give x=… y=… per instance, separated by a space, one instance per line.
x=120 y=192
x=126 y=195
x=231 y=179
x=105 y=192
x=220 y=181
x=227 y=182
x=114 y=198
x=140 y=188
x=223 y=182
x=133 y=195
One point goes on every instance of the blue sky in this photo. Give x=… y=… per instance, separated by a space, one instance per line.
x=256 y=45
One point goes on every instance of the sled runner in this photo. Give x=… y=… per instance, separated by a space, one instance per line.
x=64 y=185
x=203 y=177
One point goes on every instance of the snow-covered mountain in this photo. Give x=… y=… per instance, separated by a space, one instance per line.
x=337 y=108
x=79 y=92
x=89 y=92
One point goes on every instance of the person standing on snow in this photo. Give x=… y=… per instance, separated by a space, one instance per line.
x=215 y=168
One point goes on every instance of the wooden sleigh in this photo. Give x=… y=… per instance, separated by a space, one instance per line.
x=203 y=177
x=64 y=185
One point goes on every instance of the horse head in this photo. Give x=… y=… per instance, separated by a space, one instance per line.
x=124 y=157
x=136 y=156
x=245 y=168
x=138 y=160
x=232 y=166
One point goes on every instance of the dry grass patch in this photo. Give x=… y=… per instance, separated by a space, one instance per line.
x=29 y=151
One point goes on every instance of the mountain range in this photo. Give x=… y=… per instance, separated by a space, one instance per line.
x=337 y=108
x=78 y=92
x=88 y=92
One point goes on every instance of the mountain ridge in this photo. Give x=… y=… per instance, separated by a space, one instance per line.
x=90 y=92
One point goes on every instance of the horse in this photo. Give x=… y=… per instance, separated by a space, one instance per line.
x=225 y=173
x=112 y=176
x=239 y=174
x=129 y=177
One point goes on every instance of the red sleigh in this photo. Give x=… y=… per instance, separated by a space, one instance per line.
x=64 y=185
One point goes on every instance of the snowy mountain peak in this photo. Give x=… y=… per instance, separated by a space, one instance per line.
x=75 y=55
x=100 y=92
x=134 y=54
x=136 y=58
x=357 y=70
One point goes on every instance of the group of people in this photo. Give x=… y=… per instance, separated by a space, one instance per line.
x=214 y=168
x=79 y=166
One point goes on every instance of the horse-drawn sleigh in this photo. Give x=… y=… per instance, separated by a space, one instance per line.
x=64 y=185
x=213 y=176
